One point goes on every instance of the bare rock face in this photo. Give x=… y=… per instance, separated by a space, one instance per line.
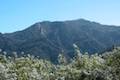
x=47 y=39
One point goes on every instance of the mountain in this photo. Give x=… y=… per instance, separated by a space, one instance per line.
x=47 y=39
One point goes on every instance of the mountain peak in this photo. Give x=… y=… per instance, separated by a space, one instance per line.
x=46 y=39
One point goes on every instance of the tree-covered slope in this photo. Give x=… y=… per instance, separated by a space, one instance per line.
x=48 y=39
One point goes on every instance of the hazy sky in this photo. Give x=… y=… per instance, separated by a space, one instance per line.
x=20 y=14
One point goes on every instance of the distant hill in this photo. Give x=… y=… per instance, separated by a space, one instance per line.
x=47 y=39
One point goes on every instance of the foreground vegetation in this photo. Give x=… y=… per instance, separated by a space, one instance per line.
x=81 y=67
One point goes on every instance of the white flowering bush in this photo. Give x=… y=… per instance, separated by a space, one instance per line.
x=81 y=67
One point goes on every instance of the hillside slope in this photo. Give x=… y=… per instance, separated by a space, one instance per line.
x=47 y=39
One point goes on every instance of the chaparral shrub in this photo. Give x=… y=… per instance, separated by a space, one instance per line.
x=82 y=67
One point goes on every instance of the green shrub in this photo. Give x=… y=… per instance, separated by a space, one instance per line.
x=82 y=67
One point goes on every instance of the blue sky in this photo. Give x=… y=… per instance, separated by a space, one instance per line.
x=19 y=14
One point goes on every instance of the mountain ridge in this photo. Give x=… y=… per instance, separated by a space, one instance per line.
x=47 y=39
